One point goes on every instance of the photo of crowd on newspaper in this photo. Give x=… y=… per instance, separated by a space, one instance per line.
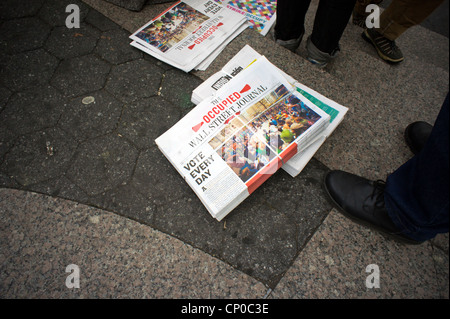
x=281 y=123
x=172 y=27
x=245 y=153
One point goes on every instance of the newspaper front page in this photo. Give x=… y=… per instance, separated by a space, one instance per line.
x=228 y=145
x=245 y=57
x=188 y=32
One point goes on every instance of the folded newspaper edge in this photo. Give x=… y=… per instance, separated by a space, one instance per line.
x=244 y=58
x=189 y=32
x=227 y=145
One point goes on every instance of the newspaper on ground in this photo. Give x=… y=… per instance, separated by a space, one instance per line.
x=237 y=137
x=189 y=33
x=245 y=57
x=260 y=13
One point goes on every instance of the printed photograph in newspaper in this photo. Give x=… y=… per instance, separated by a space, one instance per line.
x=172 y=27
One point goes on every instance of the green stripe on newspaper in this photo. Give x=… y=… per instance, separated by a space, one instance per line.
x=332 y=112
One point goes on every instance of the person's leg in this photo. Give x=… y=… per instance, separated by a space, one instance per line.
x=413 y=204
x=394 y=21
x=400 y=15
x=290 y=23
x=417 y=193
x=330 y=22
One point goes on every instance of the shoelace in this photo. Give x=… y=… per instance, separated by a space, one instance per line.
x=378 y=193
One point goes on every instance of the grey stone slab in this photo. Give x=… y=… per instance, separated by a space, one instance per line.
x=145 y=120
x=81 y=75
x=19 y=8
x=23 y=34
x=327 y=269
x=27 y=69
x=65 y=43
x=39 y=156
x=33 y=109
x=114 y=46
x=117 y=257
x=102 y=164
x=134 y=80
x=90 y=116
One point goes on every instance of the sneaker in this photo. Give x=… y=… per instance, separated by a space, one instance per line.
x=291 y=44
x=387 y=49
x=317 y=57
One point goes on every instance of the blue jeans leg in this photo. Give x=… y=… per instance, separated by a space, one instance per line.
x=417 y=193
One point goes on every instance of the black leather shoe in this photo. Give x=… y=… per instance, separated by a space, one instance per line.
x=416 y=135
x=362 y=201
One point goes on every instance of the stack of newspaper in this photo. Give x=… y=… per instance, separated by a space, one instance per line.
x=260 y=13
x=244 y=131
x=190 y=34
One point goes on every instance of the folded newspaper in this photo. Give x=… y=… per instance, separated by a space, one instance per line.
x=260 y=13
x=189 y=34
x=244 y=58
x=236 y=138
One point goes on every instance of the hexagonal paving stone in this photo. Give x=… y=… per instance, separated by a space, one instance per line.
x=4 y=96
x=91 y=116
x=19 y=8
x=67 y=43
x=102 y=164
x=23 y=34
x=157 y=179
x=39 y=156
x=26 y=69
x=33 y=109
x=114 y=46
x=134 y=80
x=177 y=87
x=142 y=122
x=80 y=75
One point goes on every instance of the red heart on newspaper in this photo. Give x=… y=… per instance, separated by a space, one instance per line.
x=197 y=127
x=245 y=89
x=237 y=113
x=191 y=46
x=220 y=24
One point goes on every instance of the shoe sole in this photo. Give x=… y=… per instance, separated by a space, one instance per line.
x=366 y=37
x=365 y=223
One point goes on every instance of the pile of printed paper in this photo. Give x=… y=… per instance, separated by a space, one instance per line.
x=251 y=120
x=190 y=34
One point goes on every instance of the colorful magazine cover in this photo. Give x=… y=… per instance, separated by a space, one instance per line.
x=260 y=13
